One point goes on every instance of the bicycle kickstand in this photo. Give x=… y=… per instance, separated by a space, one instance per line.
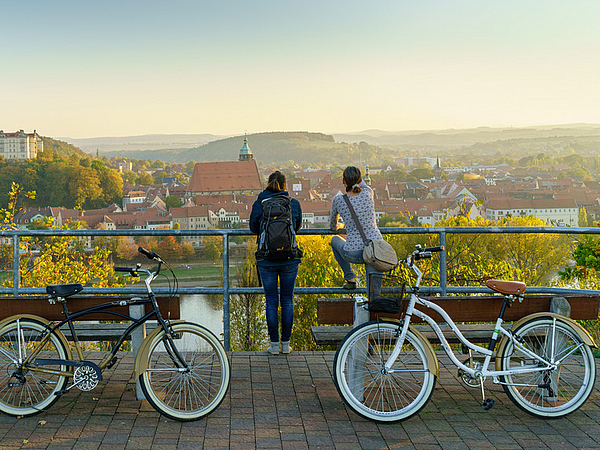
x=487 y=403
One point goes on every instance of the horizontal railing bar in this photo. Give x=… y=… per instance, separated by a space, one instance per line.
x=305 y=231
x=301 y=290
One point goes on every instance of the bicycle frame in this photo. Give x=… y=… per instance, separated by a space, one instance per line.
x=487 y=352
x=37 y=365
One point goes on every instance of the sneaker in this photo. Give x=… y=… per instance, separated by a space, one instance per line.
x=285 y=348
x=349 y=285
x=273 y=349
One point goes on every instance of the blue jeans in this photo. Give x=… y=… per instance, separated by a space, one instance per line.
x=286 y=275
x=346 y=258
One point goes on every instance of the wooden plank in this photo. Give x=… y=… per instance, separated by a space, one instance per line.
x=334 y=310
x=40 y=306
x=101 y=331
x=470 y=309
x=477 y=333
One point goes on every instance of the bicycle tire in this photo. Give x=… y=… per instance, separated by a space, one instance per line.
x=186 y=395
x=549 y=394
x=363 y=384
x=36 y=390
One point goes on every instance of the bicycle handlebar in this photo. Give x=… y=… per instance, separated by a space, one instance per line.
x=129 y=270
x=423 y=253
x=149 y=254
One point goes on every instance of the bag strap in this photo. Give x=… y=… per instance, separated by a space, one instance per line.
x=353 y=213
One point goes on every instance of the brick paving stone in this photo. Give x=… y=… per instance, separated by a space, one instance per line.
x=291 y=403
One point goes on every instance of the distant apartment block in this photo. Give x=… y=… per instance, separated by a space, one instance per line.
x=20 y=145
x=558 y=212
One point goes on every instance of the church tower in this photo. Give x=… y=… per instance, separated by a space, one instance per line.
x=245 y=152
x=367 y=176
x=438 y=168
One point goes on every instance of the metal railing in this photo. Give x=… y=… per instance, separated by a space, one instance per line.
x=227 y=290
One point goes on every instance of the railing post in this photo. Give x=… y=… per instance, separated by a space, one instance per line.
x=443 y=266
x=137 y=336
x=226 y=333
x=16 y=265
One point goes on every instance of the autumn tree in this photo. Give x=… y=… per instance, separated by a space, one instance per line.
x=59 y=259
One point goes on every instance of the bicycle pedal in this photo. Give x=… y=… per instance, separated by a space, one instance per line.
x=111 y=363
x=488 y=404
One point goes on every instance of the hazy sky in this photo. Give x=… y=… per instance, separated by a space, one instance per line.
x=114 y=68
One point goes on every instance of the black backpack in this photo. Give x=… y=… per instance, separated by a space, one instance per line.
x=277 y=238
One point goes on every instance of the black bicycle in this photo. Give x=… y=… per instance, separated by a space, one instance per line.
x=182 y=367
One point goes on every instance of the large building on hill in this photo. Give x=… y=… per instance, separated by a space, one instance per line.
x=226 y=177
x=20 y=145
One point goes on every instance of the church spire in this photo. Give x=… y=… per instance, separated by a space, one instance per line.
x=367 y=177
x=245 y=152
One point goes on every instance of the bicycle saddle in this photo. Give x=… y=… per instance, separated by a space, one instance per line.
x=506 y=287
x=63 y=290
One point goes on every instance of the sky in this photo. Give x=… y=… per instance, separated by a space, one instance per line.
x=122 y=68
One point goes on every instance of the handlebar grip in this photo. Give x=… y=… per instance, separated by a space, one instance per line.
x=423 y=254
x=131 y=271
x=439 y=248
x=149 y=254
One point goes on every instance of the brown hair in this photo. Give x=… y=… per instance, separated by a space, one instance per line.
x=276 y=182
x=352 y=177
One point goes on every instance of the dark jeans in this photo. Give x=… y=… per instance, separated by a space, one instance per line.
x=286 y=275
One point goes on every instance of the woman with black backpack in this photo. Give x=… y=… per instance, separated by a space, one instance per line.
x=276 y=217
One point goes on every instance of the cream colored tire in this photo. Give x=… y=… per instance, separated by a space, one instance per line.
x=185 y=393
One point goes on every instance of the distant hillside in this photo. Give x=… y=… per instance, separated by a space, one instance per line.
x=61 y=148
x=374 y=145
x=448 y=139
x=128 y=144
x=267 y=148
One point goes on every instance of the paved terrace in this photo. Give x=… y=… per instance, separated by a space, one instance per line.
x=290 y=402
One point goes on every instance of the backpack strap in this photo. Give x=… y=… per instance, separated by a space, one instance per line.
x=355 y=217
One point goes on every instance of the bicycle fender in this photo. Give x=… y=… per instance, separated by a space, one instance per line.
x=581 y=332
x=141 y=358
x=59 y=333
x=432 y=360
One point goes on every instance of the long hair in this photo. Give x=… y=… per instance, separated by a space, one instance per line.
x=352 y=177
x=276 y=182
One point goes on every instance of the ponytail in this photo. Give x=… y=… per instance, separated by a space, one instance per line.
x=352 y=178
x=276 y=182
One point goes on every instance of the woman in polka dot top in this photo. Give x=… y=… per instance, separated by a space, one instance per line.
x=349 y=251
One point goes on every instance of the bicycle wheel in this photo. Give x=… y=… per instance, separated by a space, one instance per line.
x=29 y=389
x=371 y=391
x=186 y=393
x=550 y=393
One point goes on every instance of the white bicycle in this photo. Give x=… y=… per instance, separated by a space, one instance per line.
x=386 y=370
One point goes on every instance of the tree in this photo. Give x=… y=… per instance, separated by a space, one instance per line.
x=145 y=179
x=172 y=201
x=169 y=248
x=421 y=173
x=582 y=220
x=534 y=258
x=247 y=311
x=130 y=177
x=58 y=259
x=213 y=247
x=83 y=186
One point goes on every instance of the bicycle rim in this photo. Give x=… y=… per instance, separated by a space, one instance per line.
x=552 y=393
x=25 y=392
x=367 y=388
x=192 y=393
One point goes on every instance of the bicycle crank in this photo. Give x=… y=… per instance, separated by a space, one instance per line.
x=468 y=379
x=85 y=378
